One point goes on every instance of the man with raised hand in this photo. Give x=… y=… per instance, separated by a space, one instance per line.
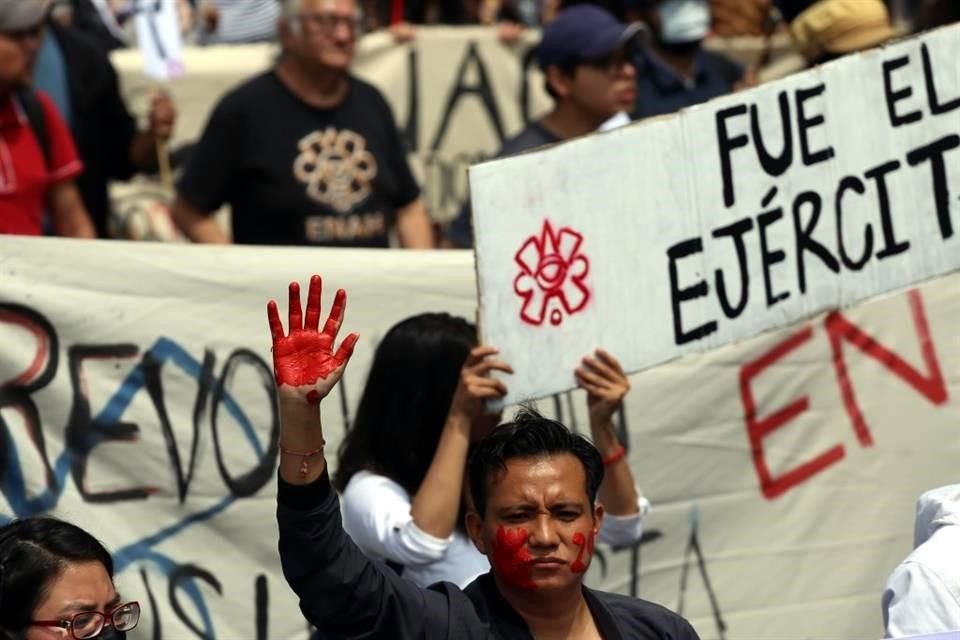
x=534 y=485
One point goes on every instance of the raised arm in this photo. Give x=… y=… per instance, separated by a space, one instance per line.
x=606 y=385
x=341 y=592
x=437 y=502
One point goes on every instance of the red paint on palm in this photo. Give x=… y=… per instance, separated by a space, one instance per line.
x=586 y=545
x=306 y=355
x=511 y=559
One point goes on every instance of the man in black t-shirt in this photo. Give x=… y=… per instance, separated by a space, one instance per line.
x=585 y=56
x=305 y=154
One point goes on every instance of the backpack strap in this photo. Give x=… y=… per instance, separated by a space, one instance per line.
x=33 y=109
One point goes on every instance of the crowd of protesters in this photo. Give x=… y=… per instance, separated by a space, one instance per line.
x=70 y=133
x=333 y=171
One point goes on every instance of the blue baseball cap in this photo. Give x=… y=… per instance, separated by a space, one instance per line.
x=582 y=32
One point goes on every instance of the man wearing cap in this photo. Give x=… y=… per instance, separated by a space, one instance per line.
x=38 y=160
x=824 y=30
x=585 y=57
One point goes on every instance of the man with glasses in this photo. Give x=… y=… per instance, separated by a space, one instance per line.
x=38 y=158
x=306 y=153
x=585 y=57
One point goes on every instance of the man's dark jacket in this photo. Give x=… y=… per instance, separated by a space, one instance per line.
x=346 y=595
x=102 y=126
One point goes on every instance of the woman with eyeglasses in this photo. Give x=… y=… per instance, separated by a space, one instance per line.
x=56 y=582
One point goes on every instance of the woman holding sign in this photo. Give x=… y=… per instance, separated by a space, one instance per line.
x=400 y=468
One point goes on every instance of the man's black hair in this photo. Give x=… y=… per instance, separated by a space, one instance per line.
x=530 y=435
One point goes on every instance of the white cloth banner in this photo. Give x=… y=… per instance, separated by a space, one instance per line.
x=747 y=213
x=136 y=401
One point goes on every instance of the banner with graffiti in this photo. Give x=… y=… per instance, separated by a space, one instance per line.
x=748 y=213
x=136 y=399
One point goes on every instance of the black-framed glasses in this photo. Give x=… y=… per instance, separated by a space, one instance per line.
x=89 y=624
x=327 y=23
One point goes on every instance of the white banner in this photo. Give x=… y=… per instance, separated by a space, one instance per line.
x=741 y=215
x=136 y=401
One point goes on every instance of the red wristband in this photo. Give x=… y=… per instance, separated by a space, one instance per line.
x=615 y=456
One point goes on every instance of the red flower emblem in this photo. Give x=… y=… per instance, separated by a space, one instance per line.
x=551 y=268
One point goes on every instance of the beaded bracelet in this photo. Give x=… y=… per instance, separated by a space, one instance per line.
x=305 y=455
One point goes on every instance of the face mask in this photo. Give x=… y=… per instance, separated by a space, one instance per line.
x=684 y=20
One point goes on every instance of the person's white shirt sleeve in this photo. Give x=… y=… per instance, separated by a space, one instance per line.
x=624 y=531
x=376 y=515
x=916 y=601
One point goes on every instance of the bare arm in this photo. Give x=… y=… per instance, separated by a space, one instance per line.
x=606 y=385
x=196 y=225
x=437 y=502
x=414 y=227
x=69 y=216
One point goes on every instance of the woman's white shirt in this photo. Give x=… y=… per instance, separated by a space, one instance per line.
x=376 y=515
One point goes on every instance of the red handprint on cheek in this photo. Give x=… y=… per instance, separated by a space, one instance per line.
x=586 y=544
x=305 y=356
x=551 y=268
x=511 y=558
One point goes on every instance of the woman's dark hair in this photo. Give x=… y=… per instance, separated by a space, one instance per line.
x=404 y=406
x=33 y=551
x=530 y=435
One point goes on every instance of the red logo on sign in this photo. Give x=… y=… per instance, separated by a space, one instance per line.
x=552 y=274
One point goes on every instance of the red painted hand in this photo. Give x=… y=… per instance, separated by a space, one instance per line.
x=304 y=363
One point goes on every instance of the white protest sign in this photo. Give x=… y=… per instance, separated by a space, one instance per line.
x=158 y=37
x=738 y=216
x=136 y=400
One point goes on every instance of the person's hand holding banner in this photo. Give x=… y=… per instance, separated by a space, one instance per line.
x=476 y=387
x=606 y=385
x=162 y=116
